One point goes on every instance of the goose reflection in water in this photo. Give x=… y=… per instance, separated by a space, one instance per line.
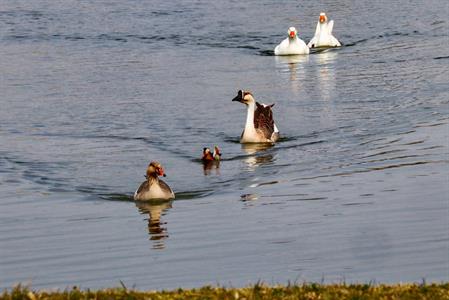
x=295 y=66
x=255 y=157
x=156 y=229
x=326 y=73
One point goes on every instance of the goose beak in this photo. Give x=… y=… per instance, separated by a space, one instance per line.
x=292 y=34
x=239 y=97
x=322 y=19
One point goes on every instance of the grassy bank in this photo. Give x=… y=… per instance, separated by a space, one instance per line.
x=258 y=291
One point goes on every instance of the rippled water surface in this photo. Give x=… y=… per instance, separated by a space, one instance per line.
x=357 y=188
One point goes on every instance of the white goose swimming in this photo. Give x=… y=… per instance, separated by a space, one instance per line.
x=259 y=127
x=292 y=45
x=153 y=187
x=323 y=34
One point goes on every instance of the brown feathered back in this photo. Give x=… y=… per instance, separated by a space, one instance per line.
x=263 y=119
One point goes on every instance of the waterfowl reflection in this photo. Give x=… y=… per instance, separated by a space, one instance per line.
x=208 y=166
x=293 y=65
x=156 y=229
x=256 y=158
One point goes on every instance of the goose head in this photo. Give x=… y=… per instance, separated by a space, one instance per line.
x=154 y=170
x=244 y=97
x=323 y=18
x=292 y=32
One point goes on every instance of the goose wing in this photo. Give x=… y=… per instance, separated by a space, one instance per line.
x=263 y=119
x=330 y=27
x=144 y=186
x=312 y=42
x=317 y=29
x=165 y=187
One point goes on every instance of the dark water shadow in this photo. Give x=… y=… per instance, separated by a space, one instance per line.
x=157 y=143
x=301 y=145
x=116 y=197
x=355 y=43
x=231 y=139
x=190 y=195
x=324 y=49
x=284 y=142
x=371 y=169
x=302 y=56
x=382 y=36
x=129 y=197
x=266 y=53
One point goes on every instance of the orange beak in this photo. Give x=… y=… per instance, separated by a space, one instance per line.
x=292 y=34
x=322 y=19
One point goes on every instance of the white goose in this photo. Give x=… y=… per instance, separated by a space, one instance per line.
x=153 y=187
x=323 y=34
x=292 y=45
x=259 y=127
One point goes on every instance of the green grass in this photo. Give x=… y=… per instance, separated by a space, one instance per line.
x=309 y=291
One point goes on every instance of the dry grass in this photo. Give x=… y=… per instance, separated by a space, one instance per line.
x=309 y=291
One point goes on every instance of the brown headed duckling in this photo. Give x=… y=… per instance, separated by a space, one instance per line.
x=211 y=156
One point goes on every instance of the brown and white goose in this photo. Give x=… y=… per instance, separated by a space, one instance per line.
x=259 y=127
x=153 y=187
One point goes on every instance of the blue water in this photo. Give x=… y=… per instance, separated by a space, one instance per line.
x=92 y=91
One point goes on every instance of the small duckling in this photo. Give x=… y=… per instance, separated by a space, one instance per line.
x=209 y=156
x=211 y=160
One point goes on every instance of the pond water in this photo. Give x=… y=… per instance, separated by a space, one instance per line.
x=92 y=91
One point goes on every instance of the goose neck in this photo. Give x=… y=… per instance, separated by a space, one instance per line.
x=250 y=116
